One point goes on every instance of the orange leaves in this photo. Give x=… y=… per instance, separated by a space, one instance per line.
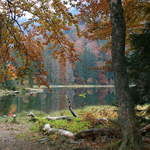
x=23 y=44
x=11 y=72
x=66 y=28
x=96 y=16
x=41 y=80
x=33 y=49
x=106 y=66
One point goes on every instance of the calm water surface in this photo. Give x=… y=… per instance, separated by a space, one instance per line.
x=56 y=99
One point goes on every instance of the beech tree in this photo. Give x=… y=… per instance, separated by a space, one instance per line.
x=114 y=20
x=131 y=138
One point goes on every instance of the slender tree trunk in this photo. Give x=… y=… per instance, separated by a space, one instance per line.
x=1 y=27
x=130 y=138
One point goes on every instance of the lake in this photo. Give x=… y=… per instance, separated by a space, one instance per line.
x=54 y=100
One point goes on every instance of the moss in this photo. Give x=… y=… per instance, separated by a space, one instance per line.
x=75 y=125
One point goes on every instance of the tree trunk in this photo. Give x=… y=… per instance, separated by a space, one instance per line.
x=130 y=137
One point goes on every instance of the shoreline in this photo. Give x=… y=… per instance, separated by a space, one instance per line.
x=41 y=89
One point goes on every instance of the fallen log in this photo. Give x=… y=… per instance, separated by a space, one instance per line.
x=95 y=132
x=85 y=134
x=59 y=118
x=50 y=130
x=34 y=117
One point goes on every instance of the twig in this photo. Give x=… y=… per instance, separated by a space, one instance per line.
x=70 y=107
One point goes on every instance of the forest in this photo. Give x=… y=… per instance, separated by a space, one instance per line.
x=74 y=75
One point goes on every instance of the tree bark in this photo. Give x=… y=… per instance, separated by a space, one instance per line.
x=1 y=27
x=130 y=137
x=93 y=133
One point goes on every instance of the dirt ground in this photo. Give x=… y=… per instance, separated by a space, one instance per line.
x=18 y=137
x=10 y=140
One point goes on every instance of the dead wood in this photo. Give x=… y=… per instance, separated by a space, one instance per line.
x=95 y=132
x=62 y=132
x=34 y=117
x=70 y=107
x=72 y=112
x=59 y=118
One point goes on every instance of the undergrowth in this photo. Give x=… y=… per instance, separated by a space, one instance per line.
x=87 y=119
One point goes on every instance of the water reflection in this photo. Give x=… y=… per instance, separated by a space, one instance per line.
x=56 y=100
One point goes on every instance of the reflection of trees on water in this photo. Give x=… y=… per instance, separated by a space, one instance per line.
x=56 y=99
x=8 y=104
x=4 y=105
x=94 y=96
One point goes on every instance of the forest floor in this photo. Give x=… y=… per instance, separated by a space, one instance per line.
x=23 y=134
x=10 y=140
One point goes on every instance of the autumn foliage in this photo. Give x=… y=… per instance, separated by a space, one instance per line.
x=23 y=40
